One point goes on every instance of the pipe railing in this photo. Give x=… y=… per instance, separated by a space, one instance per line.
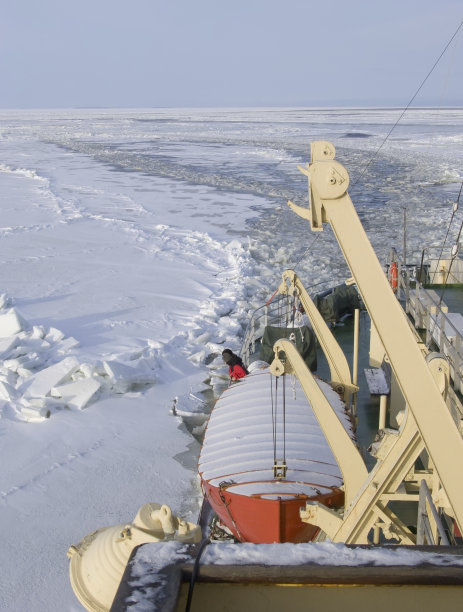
x=431 y=315
x=277 y=312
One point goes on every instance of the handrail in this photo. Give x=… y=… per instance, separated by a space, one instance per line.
x=434 y=318
x=272 y=313
x=444 y=255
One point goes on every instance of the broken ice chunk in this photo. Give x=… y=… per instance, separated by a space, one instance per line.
x=29 y=344
x=6 y=345
x=77 y=394
x=35 y=413
x=40 y=383
x=66 y=345
x=12 y=323
x=123 y=377
x=7 y=391
x=50 y=403
x=198 y=357
x=54 y=335
x=8 y=376
x=14 y=364
x=5 y=301
x=24 y=372
x=38 y=331
x=87 y=369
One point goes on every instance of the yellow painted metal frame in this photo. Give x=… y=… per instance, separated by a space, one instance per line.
x=429 y=423
x=346 y=453
x=337 y=362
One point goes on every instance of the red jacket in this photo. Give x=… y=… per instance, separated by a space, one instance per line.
x=236 y=372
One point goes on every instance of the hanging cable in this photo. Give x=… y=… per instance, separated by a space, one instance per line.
x=279 y=463
x=274 y=415
x=194 y=573
x=408 y=105
x=307 y=250
x=284 y=421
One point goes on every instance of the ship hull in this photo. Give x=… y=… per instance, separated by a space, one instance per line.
x=265 y=521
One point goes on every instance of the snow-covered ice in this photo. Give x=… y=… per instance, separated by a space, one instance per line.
x=133 y=245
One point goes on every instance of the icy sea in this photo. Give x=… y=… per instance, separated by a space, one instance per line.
x=133 y=245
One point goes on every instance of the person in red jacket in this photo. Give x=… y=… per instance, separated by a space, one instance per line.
x=236 y=367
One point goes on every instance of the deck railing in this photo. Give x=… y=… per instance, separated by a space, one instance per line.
x=278 y=312
x=443 y=331
x=439 y=266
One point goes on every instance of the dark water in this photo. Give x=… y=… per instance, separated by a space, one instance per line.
x=367 y=405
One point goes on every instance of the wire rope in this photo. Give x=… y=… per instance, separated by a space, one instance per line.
x=195 y=572
x=274 y=414
x=306 y=251
x=408 y=105
x=284 y=419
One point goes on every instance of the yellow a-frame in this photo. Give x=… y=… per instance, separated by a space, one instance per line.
x=427 y=424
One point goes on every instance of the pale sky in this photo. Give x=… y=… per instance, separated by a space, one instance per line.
x=226 y=53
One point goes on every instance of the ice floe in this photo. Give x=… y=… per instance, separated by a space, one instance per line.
x=40 y=370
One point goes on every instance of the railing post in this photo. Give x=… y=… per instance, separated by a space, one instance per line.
x=442 y=335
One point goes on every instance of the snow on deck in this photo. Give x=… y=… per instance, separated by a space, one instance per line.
x=239 y=441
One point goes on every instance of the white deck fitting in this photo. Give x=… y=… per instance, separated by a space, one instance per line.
x=238 y=444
